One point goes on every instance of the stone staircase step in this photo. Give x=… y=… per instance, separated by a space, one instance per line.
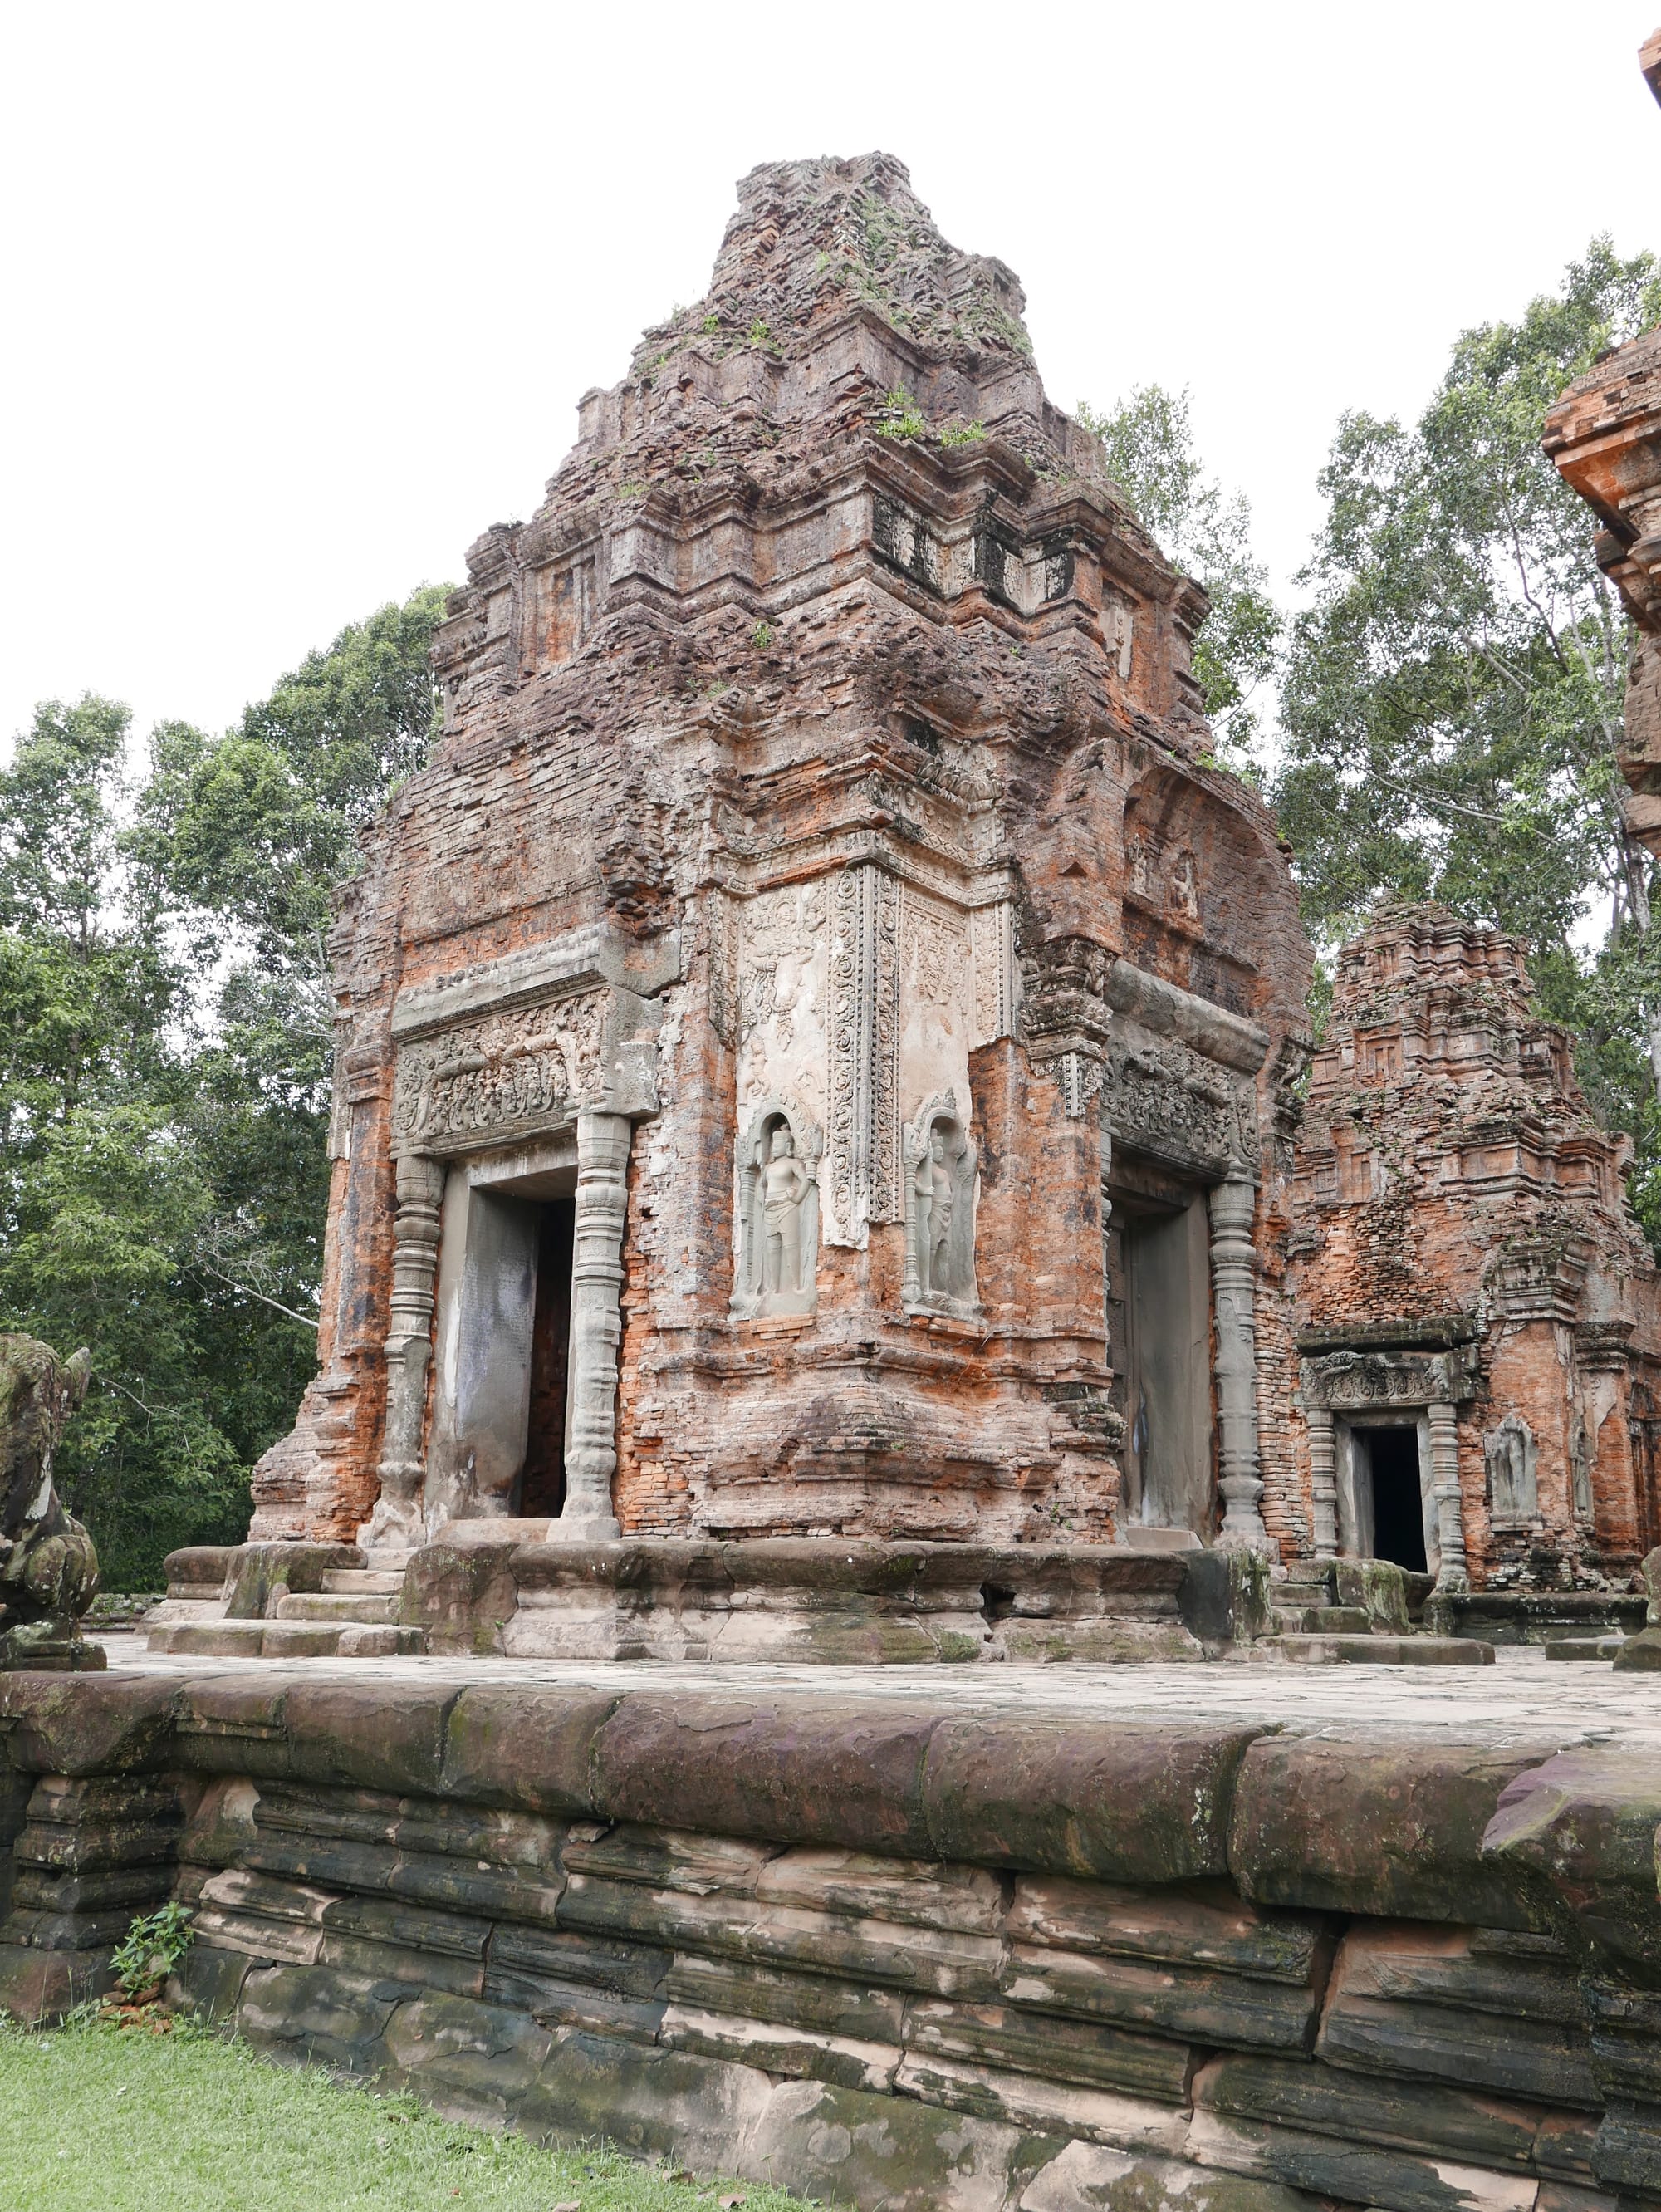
x=1591 y=1649
x=363 y=1582
x=1304 y=1590
x=251 y=1639
x=1341 y=1620
x=209 y=1639
x=390 y=1642
x=325 y=1605
x=388 y=1559
x=1383 y=1651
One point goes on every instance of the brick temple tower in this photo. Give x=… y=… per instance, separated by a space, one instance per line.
x=820 y=935
x=1475 y=1308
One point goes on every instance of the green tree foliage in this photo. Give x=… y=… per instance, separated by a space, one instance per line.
x=1148 y=443
x=1454 y=689
x=164 y=1066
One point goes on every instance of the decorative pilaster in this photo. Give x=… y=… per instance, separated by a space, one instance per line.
x=397 y=1517
x=1234 y=1284
x=863 y=1141
x=1445 y=1484
x=1323 y=1481
x=597 y=1282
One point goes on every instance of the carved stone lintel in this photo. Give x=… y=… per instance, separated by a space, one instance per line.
x=1233 y=1278
x=1165 y=1098
x=1371 y=1380
x=597 y=1282
x=397 y=1518
x=505 y=1074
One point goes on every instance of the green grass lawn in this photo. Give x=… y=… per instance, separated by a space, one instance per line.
x=101 y=2118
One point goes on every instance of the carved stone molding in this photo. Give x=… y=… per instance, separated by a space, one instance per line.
x=597 y=1282
x=1233 y=1305
x=1081 y=1077
x=992 y=935
x=777 y=1262
x=397 y=1518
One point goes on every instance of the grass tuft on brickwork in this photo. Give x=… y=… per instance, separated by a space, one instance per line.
x=129 y=2120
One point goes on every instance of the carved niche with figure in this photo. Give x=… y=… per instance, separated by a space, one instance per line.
x=939 y=1162
x=1510 y=1455
x=778 y=1206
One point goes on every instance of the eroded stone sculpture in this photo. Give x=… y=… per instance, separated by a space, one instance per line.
x=779 y=1212
x=1509 y=1454
x=48 y=1567
x=940 y=1157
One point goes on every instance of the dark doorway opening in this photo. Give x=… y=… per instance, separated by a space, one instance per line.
x=1398 y=1523
x=1159 y=1329
x=542 y=1483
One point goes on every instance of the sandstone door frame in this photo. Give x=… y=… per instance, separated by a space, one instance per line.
x=591 y=1153
x=1344 y=1389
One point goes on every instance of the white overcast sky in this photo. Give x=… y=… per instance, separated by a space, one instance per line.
x=299 y=299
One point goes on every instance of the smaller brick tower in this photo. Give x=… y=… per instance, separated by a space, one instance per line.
x=1475 y=1308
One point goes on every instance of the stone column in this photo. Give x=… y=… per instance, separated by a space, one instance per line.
x=597 y=1282
x=1323 y=1481
x=1234 y=1289
x=1445 y=1486
x=397 y=1517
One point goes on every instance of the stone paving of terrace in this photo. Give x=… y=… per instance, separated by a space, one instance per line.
x=1524 y=1695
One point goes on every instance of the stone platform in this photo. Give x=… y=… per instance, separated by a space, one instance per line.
x=501 y=1586
x=1023 y=1940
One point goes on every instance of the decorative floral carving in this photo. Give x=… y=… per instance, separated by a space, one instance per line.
x=992 y=936
x=936 y=954
x=527 y=1067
